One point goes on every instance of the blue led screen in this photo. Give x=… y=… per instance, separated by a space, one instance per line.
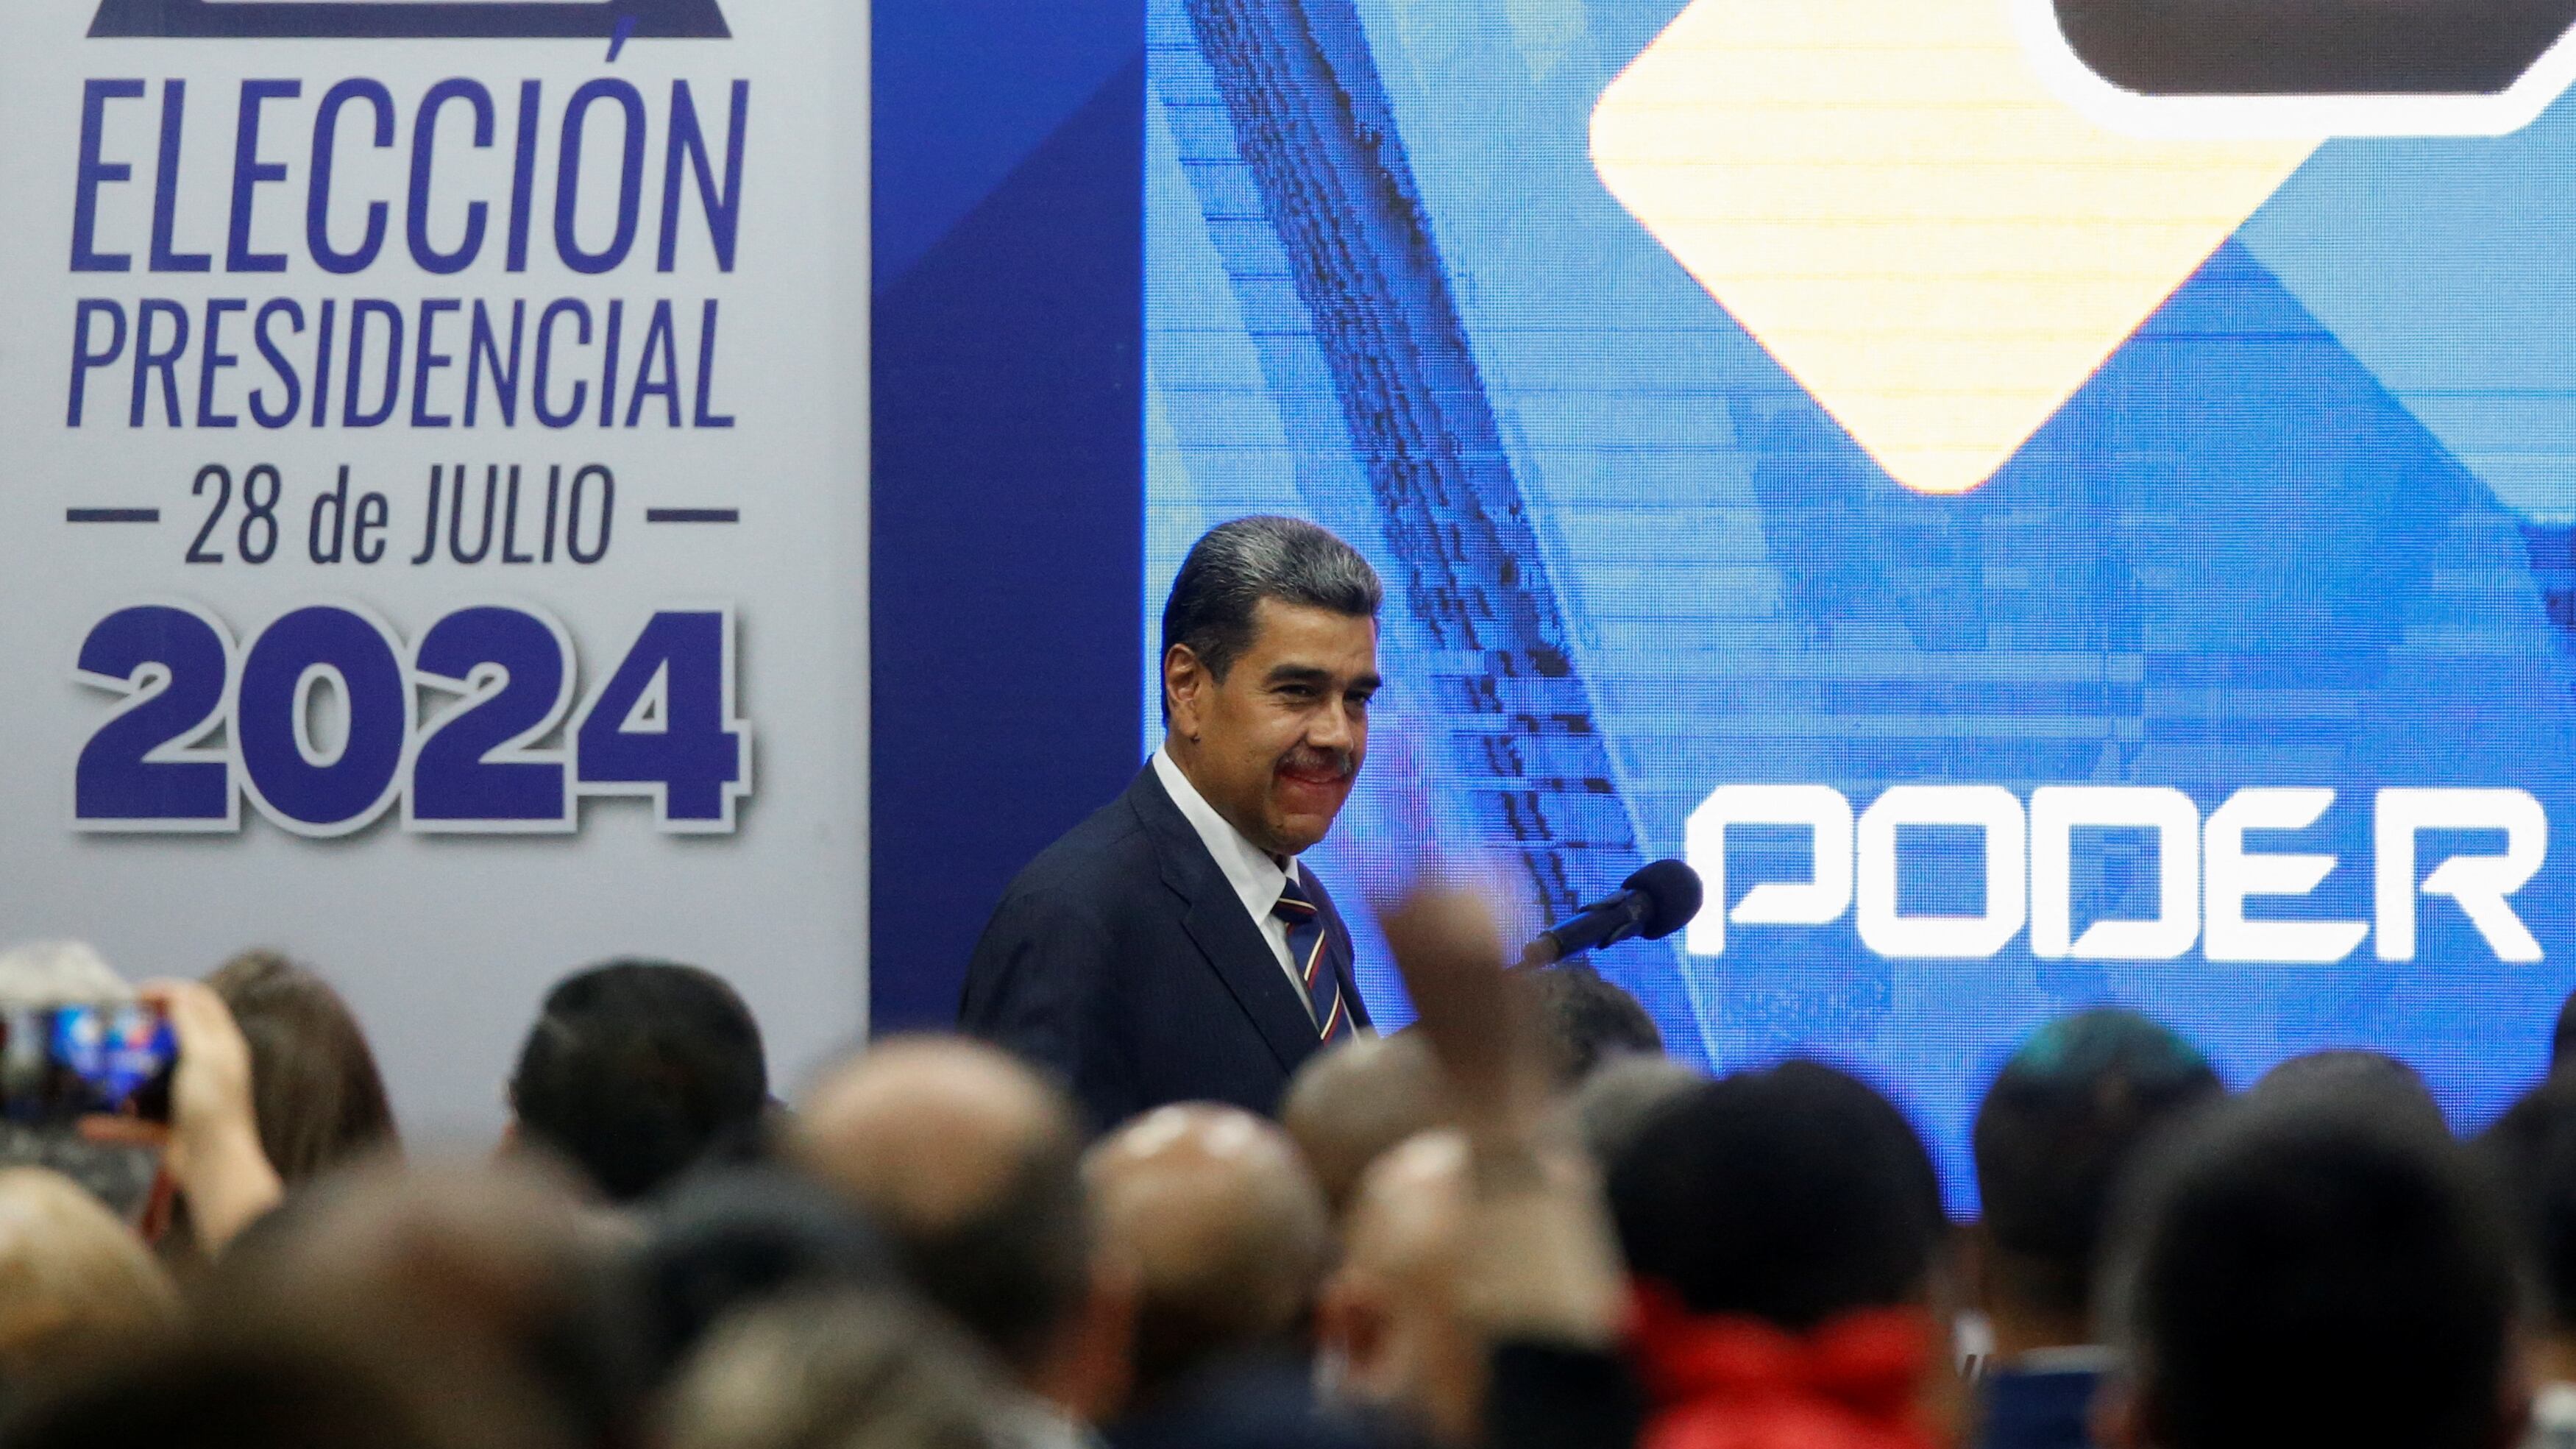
x=2172 y=506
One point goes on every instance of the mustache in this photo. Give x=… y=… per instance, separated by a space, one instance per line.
x=1307 y=760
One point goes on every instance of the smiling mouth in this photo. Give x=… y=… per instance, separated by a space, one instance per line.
x=1315 y=776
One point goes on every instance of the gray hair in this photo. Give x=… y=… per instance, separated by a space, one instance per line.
x=1613 y=1105
x=838 y=1373
x=1237 y=565
x=42 y=974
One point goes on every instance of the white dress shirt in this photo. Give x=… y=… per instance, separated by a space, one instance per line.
x=1256 y=875
x=2553 y=1418
x=1029 y=1422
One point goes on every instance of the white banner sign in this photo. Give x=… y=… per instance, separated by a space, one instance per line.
x=435 y=502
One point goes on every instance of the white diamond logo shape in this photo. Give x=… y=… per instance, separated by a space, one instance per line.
x=1888 y=197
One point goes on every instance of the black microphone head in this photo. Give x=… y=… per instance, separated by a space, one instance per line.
x=1672 y=892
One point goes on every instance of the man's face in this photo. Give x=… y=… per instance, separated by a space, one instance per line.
x=1275 y=745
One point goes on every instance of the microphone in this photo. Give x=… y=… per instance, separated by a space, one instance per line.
x=1652 y=904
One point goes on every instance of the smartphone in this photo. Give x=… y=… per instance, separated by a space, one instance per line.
x=61 y=1063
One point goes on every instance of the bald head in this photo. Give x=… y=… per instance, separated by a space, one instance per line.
x=927 y=1131
x=489 y=1283
x=1347 y=1105
x=972 y=1164
x=1228 y=1236
x=1406 y=1215
x=1393 y=1316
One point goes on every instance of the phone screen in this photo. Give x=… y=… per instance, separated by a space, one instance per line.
x=61 y=1063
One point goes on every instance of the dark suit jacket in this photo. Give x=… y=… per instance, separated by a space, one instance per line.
x=2038 y=1410
x=1122 y=959
x=1255 y=1403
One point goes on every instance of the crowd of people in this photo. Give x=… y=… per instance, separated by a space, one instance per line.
x=1514 y=1224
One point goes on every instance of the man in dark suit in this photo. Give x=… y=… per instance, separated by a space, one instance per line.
x=1171 y=948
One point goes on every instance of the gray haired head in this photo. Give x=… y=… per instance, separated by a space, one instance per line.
x=1237 y=565
x=39 y=974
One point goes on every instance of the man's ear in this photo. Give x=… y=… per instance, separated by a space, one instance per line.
x=2119 y=1419
x=2513 y=1399
x=1973 y=1250
x=1184 y=679
x=1090 y=1370
x=160 y=1206
x=1351 y=1328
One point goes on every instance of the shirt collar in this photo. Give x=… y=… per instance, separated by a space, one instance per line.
x=1255 y=876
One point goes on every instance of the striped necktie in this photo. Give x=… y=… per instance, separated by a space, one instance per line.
x=1306 y=947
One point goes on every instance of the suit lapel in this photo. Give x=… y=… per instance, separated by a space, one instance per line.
x=1223 y=931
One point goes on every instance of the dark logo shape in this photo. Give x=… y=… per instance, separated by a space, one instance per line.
x=2312 y=47
x=610 y=20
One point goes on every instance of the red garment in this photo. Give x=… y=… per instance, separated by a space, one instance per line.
x=1735 y=1382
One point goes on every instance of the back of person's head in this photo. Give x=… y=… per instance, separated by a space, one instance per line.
x=493 y=1279
x=1229 y=1236
x=264 y=1391
x=2562 y=1037
x=836 y=1372
x=1614 y=1103
x=41 y=976
x=1791 y=1195
x=637 y=1069
x=1588 y=1020
x=1394 y=1314
x=2350 y=1077
x=2297 y=1272
x=314 y=1085
x=2061 y=1124
x=972 y=1164
x=2533 y=1150
x=74 y=1282
x=722 y=1242
x=1350 y=1103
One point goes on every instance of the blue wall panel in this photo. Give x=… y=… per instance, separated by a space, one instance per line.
x=1007 y=534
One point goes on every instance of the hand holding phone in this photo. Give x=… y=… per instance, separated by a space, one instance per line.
x=64 y=1062
x=211 y=1143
